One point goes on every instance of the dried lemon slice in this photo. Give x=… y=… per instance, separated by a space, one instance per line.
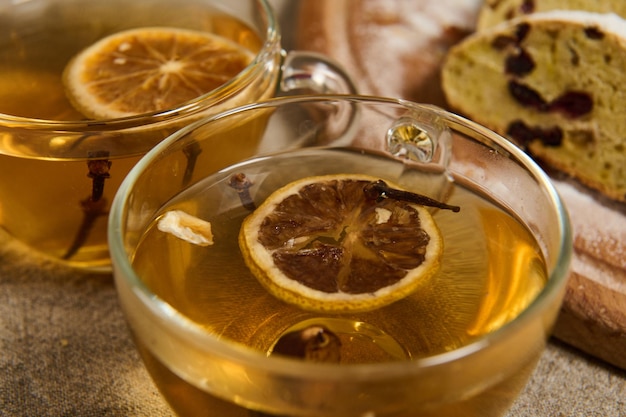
x=325 y=244
x=150 y=69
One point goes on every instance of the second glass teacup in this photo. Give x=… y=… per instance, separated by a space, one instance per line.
x=61 y=169
x=271 y=282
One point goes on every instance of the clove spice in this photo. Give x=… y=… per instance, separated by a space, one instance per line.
x=379 y=190
x=93 y=206
x=314 y=343
x=242 y=185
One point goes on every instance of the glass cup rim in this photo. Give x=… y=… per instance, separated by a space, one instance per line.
x=272 y=36
x=297 y=368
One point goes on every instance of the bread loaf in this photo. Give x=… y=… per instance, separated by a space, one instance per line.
x=494 y=12
x=390 y=47
x=554 y=83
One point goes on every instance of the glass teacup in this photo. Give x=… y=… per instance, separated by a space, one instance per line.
x=217 y=343
x=62 y=169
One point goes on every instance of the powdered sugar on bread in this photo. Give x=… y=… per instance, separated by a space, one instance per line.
x=608 y=22
x=496 y=11
x=599 y=230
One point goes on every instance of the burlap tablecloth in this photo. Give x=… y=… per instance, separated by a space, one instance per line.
x=65 y=350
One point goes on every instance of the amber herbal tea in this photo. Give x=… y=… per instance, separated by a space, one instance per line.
x=488 y=270
x=60 y=180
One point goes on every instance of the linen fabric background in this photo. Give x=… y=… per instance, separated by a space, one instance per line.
x=65 y=349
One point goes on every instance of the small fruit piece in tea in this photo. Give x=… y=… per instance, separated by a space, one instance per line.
x=186 y=227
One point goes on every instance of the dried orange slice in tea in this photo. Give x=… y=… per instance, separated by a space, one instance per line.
x=327 y=244
x=150 y=69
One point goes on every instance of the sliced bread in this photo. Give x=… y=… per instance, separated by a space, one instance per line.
x=554 y=82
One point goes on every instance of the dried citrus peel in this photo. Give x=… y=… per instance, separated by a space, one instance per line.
x=324 y=244
x=186 y=227
x=150 y=69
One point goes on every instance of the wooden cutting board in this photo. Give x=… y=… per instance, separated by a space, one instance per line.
x=394 y=48
x=593 y=316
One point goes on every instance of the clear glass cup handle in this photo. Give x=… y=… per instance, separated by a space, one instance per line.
x=309 y=72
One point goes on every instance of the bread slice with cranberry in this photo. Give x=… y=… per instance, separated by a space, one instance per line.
x=554 y=82
x=494 y=12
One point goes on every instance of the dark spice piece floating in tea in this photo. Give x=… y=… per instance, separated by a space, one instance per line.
x=314 y=343
x=98 y=172
x=93 y=206
x=379 y=190
x=191 y=153
x=242 y=185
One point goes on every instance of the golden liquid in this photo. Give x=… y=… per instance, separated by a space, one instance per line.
x=40 y=196
x=189 y=401
x=41 y=206
x=491 y=270
x=32 y=60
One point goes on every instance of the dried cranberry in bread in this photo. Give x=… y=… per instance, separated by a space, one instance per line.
x=497 y=11
x=390 y=47
x=553 y=82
